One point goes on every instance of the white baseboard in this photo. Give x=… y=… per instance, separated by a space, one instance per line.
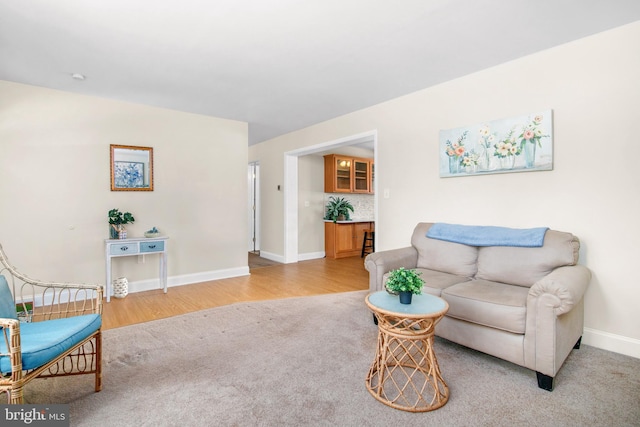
x=311 y=255
x=301 y=257
x=612 y=342
x=272 y=257
x=188 y=279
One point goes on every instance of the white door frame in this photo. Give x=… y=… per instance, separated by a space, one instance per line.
x=253 y=206
x=291 y=186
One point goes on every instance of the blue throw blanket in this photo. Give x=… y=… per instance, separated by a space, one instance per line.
x=476 y=235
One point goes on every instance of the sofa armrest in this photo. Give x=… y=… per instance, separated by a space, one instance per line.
x=567 y=284
x=555 y=318
x=379 y=263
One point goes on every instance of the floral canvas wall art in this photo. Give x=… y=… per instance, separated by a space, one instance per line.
x=517 y=144
x=129 y=174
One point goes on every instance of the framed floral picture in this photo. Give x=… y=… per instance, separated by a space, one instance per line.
x=129 y=174
x=517 y=144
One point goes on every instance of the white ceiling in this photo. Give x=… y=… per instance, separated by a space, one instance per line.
x=279 y=65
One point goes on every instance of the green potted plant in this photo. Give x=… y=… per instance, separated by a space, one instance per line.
x=405 y=283
x=338 y=209
x=117 y=220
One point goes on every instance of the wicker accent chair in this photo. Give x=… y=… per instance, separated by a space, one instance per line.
x=48 y=329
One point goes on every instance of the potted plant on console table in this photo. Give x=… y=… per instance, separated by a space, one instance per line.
x=117 y=220
x=404 y=283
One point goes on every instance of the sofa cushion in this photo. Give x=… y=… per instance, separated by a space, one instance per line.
x=525 y=266
x=492 y=304
x=443 y=256
x=436 y=281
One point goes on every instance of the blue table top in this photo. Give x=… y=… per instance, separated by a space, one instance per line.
x=420 y=304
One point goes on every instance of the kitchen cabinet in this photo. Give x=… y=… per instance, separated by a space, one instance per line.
x=344 y=239
x=344 y=174
x=361 y=173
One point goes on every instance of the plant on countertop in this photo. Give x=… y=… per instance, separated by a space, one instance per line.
x=338 y=206
x=403 y=280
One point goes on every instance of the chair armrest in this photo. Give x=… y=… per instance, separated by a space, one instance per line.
x=567 y=284
x=6 y=323
x=379 y=263
x=10 y=336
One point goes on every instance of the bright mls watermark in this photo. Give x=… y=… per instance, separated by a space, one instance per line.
x=34 y=415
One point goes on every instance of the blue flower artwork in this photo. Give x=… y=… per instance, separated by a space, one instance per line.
x=129 y=174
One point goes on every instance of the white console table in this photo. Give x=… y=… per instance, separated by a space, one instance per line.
x=137 y=246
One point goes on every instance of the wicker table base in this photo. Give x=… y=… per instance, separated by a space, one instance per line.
x=405 y=373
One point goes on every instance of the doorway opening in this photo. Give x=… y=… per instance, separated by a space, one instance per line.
x=291 y=186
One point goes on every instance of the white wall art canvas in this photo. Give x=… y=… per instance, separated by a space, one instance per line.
x=517 y=144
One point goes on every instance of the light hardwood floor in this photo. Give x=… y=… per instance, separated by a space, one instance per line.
x=314 y=277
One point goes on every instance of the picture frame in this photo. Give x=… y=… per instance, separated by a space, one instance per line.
x=518 y=144
x=131 y=168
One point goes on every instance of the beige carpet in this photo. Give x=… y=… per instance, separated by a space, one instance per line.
x=302 y=361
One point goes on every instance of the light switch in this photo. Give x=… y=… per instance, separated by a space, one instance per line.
x=386 y=193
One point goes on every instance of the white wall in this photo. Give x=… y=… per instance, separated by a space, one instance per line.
x=55 y=188
x=311 y=206
x=592 y=86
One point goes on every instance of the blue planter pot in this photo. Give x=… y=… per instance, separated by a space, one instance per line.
x=405 y=297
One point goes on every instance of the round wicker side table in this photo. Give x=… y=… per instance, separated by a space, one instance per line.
x=405 y=373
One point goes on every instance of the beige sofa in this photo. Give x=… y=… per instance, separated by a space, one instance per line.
x=521 y=304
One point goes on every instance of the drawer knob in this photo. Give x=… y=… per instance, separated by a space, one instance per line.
x=152 y=246
x=123 y=248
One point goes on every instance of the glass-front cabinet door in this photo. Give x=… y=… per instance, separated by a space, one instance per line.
x=343 y=174
x=361 y=176
x=338 y=174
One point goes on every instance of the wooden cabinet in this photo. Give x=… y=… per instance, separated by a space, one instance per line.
x=361 y=179
x=338 y=171
x=343 y=240
x=343 y=174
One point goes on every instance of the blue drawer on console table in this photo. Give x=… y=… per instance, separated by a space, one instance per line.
x=125 y=248
x=156 y=246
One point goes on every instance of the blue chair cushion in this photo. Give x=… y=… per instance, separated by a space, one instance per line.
x=7 y=305
x=43 y=341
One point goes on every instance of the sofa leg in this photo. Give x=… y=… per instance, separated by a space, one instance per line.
x=577 y=346
x=375 y=320
x=545 y=381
